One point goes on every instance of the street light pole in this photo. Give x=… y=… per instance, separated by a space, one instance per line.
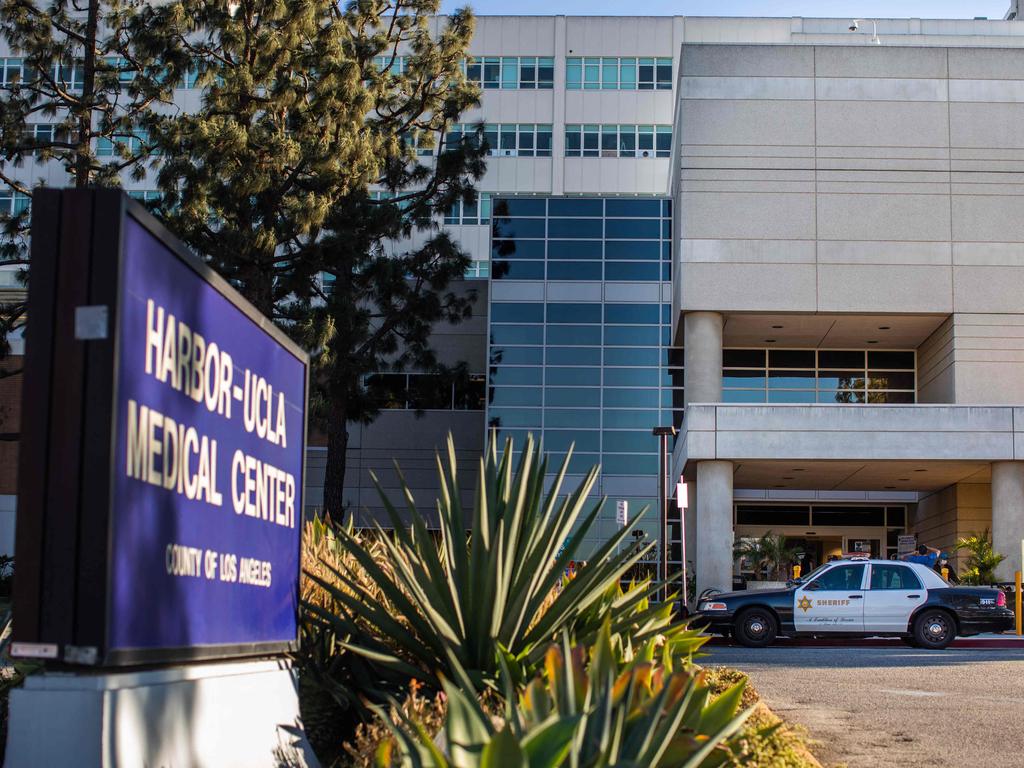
x=663 y=433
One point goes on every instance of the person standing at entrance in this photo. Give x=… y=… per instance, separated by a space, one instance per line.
x=925 y=556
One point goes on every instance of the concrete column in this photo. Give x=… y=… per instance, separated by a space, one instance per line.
x=714 y=525
x=702 y=340
x=690 y=530
x=1008 y=515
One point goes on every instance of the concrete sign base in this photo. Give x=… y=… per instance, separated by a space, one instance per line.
x=242 y=713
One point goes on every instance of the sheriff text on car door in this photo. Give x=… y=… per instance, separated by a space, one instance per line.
x=833 y=602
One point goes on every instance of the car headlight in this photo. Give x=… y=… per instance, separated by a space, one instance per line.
x=709 y=606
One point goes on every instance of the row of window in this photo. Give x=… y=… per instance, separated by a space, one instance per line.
x=561 y=396
x=505 y=139
x=611 y=73
x=583 y=335
x=518 y=230
x=605 y=73
x=618 y=140
x=68 y=75
x=425 y=392
x=13 y=203
x=820 y=515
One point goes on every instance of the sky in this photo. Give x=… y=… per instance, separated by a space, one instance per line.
x=878 y=9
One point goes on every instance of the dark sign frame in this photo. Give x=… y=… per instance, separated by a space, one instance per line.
x=67 y=454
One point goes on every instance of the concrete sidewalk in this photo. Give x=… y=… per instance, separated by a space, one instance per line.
x=988 y=640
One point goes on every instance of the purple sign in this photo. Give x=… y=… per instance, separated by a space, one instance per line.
x=207 y=493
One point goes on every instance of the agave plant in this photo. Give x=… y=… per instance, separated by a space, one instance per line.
x=495 y=580
x=591 y=708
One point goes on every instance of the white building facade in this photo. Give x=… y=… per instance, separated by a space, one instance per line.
x=843 y=289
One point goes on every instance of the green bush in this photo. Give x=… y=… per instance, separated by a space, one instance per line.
x=982 y=560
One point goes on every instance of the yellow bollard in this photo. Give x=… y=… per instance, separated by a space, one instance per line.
x=1018 y=596
x=796 y=571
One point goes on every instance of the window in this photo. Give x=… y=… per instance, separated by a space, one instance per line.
x=511 y=72
x=509 y=139
x=618 y=74
x=11 y=71
x=145 y=195
x=476 y=212
x=642 y=141
x=69 y=75
x=134 y=145
x=421 y=391
x=893 y=577
x=841 y=578
x=120 y=66
x=13 y=203
x=394 y=65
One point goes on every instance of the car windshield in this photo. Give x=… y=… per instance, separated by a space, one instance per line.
x=813 y=574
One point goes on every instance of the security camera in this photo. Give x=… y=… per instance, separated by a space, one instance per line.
x=854 y=25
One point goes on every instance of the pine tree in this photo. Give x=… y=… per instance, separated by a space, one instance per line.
x=74 y=82
x=307 y=106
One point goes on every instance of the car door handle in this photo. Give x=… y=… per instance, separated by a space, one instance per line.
x=913 y=597
x=856 y=597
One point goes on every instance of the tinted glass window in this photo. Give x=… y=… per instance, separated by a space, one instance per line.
x=890 y=359
x=890 y=397
x=632 y=336
x=631 y=377
x=517 y=334
x=574 y=270
x=518 y=270
x=518 y=228
x=838 y=358
x=575 y=249
x=743 y=378
x=509 y=375
x=572 y=417
x=848 y=516
x=841 y=578
x=628 y=207
x=631 y=398
x=517 y=355
x=891 y=380
x=744 y=396
x=571 y=207
x=790 y=358
x=791 y=396
x=573 y=397
x=633 y=228
x=614 y=419
x=896 y=515
x=893 y=577
x=519 y=207
x=522 y=249
x=574 y=313
x=634 y=356
x=559 y=440
x=639 y=250
x=758 y=514
x=590 y=228
x=629 y=464
x=791 y=379
x=522 y=312
x=631 y=271
x=630 y=442
x=743 y=358
x=574 y=334
x=573 y=355
x=632 y=313
x=504 y=396
x=573 y=376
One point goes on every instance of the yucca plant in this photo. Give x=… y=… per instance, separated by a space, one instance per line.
x=494 y=580
x=591 y=708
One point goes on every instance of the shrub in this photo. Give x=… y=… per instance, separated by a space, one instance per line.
x=982 y=560
x=494 y=585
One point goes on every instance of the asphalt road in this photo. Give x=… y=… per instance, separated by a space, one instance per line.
x=870 y=707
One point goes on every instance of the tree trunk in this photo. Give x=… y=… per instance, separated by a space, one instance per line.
x=83 y=160
x=337 y=448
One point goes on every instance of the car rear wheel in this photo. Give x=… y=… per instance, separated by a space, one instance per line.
x=934 y=630
x=756 y=628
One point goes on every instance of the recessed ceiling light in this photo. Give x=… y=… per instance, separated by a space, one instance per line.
x=789 y=478
x=890 y=487
x=904 y=479
x=872 y=341
x=920 y=470
x=798 y=469
x=777 y=327
x=769 y=341
x=884 y=327
x=780 y=486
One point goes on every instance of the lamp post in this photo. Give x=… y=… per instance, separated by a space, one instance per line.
x=663 y=433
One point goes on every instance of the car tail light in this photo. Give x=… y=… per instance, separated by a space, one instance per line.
x=1001 y=599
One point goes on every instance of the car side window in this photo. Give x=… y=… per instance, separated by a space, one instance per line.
x=842 y=577
x=894 y=577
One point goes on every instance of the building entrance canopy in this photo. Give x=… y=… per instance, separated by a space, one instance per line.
x=855 y=447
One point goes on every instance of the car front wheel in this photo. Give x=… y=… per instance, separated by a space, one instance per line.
x=756 y=628
x=934 y=630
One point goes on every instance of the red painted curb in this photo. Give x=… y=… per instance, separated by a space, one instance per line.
x=1012 y=643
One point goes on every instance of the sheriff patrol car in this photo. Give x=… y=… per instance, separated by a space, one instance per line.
x=859 y=597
